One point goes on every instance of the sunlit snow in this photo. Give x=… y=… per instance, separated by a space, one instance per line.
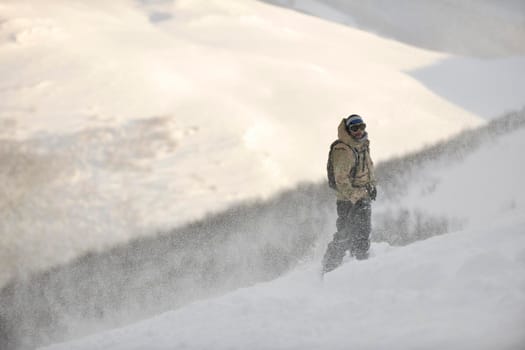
x=122 y=119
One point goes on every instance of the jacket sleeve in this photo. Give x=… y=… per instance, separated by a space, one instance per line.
x=372 y=172
x=343 y=160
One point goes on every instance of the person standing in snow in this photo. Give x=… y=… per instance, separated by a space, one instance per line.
x=351 y=175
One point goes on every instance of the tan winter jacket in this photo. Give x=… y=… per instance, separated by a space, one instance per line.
x=345 y=155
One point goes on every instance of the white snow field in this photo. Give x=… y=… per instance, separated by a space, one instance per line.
x=461 y=290
x=121 y=118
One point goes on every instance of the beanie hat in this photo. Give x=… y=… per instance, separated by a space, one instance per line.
x=353 y=120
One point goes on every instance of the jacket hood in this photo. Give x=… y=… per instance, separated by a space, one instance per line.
x=346 y=138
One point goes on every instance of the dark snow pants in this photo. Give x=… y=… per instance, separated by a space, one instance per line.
x=353 y=233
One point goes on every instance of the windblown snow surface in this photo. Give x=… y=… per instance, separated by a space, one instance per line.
x=125 y=119
x=461 y=290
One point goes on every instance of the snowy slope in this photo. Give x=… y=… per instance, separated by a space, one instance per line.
x=119 y=118
x=484 y=28
x=462 y=290
x=487 y=37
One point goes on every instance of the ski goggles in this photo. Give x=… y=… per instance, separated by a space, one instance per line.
x=358 y=127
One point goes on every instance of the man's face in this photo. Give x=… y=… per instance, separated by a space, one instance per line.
x=357 y=130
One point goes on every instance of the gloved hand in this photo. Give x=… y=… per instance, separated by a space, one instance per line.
x=372 y=191
x=358 y=194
